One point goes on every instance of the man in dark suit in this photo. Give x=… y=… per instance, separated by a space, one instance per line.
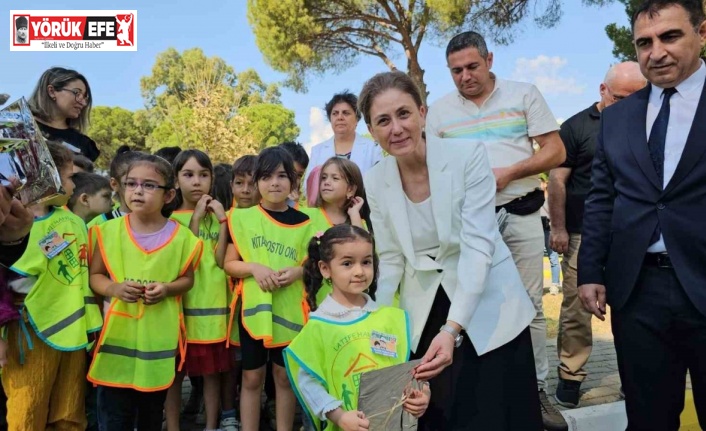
x=644 y=231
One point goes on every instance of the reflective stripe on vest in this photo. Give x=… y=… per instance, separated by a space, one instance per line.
x=274 y=317
x=138 y=345
x=62 y=283
x=205 y=305
x=337 y=353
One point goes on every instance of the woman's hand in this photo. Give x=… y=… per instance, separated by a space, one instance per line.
x=417 y=401
x=439 y=356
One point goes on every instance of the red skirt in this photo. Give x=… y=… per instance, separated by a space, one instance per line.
x=205 y=359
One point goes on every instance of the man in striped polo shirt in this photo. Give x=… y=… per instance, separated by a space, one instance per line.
x=507 y=117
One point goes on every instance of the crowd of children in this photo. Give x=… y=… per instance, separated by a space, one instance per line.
x=174 y=267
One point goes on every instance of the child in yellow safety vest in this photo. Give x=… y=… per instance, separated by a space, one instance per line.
x=346 y=334
x=205 y=305
x=268 y=249
x=341 y=197
x=145 y=262
x=44 y=373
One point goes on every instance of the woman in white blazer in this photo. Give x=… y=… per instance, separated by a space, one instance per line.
x=342 y=112
x=433 y=208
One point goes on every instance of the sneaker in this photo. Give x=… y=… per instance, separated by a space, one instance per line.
x=568 y=393
x=230 y=424
x=551 y=417
x=554 y=289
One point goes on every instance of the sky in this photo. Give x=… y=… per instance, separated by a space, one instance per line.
x=567 y=62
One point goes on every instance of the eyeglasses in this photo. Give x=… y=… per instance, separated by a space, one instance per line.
x=78 y=94
x=147 y=187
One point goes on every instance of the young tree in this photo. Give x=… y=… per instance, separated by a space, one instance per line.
x=312 y=36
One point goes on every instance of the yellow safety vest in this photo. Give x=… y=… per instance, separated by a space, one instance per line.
x=337 y=353
x=205 y=305
x=274 y=317
x=138 y=345
x=61 y=307
x=233 y=302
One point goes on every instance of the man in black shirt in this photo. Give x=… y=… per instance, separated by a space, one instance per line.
x=568 y=187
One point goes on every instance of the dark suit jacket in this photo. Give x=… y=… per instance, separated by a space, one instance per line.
x=626 y=201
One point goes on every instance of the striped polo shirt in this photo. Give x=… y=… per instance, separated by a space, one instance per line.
x=505 y=123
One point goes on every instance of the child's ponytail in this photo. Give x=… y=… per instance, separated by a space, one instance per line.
x=312 y=274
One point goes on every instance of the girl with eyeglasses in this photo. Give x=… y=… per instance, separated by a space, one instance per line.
x=145 y=262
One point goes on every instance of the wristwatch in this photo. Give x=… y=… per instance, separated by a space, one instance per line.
x=458 y=338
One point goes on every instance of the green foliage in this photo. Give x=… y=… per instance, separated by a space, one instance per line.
x=195 y=101
x=113 y=127
x=302 y=37
x=272 y=124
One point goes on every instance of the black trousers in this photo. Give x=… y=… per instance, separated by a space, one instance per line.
x=127 y=409
x=659 y=335
x=496 y=391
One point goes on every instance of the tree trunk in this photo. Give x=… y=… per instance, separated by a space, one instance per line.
x=416 y=72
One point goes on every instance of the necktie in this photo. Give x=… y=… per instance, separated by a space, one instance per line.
x=658 y=135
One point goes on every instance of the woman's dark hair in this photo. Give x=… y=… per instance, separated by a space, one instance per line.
x=221 y=189
x=382 y=82
x=44 y=108
x=163 y=168
x=351 y=173
x=178 y=164
x=269 y=160
x=321 y=249
x=344 y=97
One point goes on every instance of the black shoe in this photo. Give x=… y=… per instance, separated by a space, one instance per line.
x=551 y=417
x=568 y=393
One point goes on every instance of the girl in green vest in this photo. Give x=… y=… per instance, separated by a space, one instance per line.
x=205 y=306
x=347 y=332
x=341 y=196
x=268 y=247
x=145 y=262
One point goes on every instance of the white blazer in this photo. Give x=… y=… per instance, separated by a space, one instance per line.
x=365 y=154
x=477 y=271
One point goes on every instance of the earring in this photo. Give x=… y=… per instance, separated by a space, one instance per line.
x=53 y=98
x=327 y=281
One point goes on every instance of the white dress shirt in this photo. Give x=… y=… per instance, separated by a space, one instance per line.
x=682 y=109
